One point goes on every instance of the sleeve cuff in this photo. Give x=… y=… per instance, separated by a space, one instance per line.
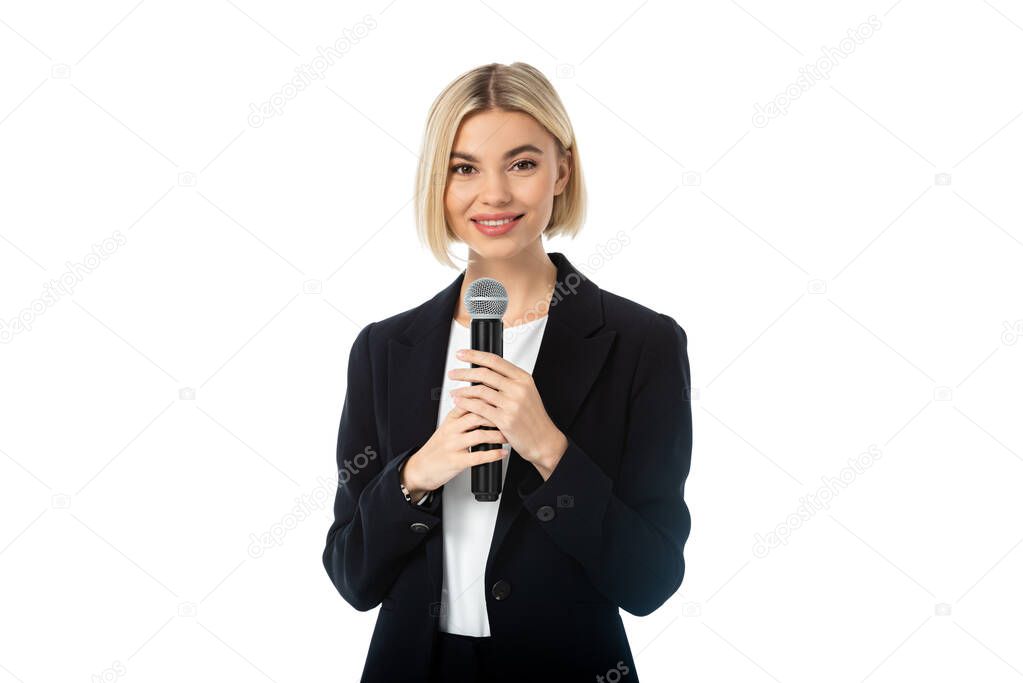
x=571 y=504
x=428 y=503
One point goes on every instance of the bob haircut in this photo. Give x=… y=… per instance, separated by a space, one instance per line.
x=516 y=87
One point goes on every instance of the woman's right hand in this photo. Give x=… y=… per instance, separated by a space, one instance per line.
x=447 y=452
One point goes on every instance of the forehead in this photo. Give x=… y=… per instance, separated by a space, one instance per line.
x=492 y=133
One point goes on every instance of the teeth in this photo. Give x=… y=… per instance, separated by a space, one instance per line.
x=494 y=224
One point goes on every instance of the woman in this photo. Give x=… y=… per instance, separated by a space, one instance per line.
x=590 y=403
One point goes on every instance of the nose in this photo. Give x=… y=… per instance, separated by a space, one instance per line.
x=495 y=190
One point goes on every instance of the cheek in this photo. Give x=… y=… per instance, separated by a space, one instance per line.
x=461 y=188
x=451 y=203
x=455 y=209
x=539 y=190
x=457 y=198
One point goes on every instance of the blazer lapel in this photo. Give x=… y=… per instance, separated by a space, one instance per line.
x=415 y=380
x=567 y=364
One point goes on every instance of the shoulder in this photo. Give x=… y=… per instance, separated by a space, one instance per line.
x=653 y=342
x=376 y=334
x=639 y=322
x=379 y=331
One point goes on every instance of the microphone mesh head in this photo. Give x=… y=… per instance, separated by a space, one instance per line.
x=486 y=298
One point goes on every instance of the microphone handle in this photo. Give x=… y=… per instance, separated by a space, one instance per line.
x=487 y=334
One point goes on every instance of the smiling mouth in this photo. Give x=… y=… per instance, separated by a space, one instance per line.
x=497 y=224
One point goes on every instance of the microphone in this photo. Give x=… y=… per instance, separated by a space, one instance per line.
x=486 y=300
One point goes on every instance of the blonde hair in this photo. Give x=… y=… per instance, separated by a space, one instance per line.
x=515 y=87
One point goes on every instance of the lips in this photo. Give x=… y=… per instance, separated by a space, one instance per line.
x=495 y=216
x=495 y=230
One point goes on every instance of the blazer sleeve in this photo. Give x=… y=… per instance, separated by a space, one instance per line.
x=629 y=533
x=374 y=527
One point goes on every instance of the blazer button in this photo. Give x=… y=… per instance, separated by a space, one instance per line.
x=501 y=590
x=419 y=527
x=545 y=513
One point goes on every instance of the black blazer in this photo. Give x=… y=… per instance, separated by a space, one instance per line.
x=605 y=531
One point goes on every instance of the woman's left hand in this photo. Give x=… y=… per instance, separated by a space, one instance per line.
x=509 y=398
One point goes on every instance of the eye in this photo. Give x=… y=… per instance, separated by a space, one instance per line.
x=516 y=166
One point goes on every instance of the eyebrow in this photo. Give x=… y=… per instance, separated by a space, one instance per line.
x=507 y=155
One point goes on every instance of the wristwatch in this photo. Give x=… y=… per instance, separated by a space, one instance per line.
x=405 y=492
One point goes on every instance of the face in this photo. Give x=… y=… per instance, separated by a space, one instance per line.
x=503 y=165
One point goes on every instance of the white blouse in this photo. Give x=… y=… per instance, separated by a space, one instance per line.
x=468 y=524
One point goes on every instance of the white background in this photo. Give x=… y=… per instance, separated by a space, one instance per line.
x=848 y=276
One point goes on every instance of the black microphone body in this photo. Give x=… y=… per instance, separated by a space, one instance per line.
x=487 y=335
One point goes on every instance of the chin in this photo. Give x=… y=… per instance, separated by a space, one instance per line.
x=497 y=248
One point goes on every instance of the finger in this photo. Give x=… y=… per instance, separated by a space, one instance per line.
x=484 y=393
x=477 y=406
x=484 y=375
x=471 y=421
x=483 y=436
x=494 y=362
x=487 y=436
x=456 y=413
x=481 y=457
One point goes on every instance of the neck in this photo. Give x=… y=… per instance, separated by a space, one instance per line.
x=529 y=278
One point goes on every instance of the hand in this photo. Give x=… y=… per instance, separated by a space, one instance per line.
x=447 y=452
x=509 y=398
